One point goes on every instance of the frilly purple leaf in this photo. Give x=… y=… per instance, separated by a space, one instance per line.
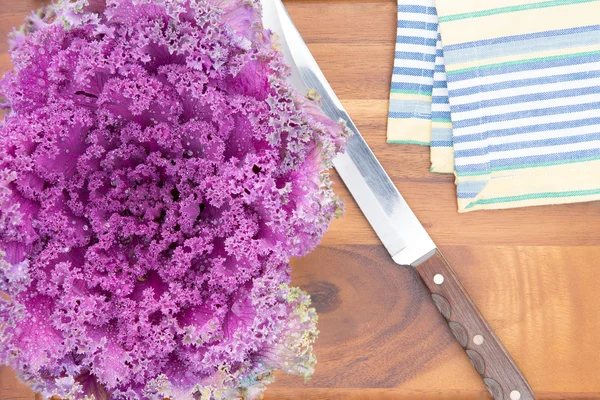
x=157 y=173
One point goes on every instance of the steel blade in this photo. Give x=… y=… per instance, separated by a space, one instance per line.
x=386 y=210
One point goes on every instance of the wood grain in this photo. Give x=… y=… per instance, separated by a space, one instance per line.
x=534 y=273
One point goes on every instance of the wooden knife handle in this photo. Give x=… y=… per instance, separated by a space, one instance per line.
x=492 y=361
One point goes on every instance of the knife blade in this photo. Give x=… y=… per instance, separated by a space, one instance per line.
x=397 y=226
x=381 y=203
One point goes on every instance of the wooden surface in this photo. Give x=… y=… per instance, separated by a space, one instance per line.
x=534 y=273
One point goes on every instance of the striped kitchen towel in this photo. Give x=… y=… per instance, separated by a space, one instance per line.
x=515 y=103
x=442 y=150
x=412 y=81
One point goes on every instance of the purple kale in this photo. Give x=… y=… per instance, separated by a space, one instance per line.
x=157 y=173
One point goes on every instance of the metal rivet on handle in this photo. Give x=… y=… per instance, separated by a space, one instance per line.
x=438 y=279
x=515 y=395
x=478 y=340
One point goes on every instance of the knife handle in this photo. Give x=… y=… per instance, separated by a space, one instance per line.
x=492 y=361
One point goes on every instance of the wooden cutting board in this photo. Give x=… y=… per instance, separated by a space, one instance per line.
x=534 y=273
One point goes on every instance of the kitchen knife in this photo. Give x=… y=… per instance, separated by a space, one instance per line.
x=398 y=228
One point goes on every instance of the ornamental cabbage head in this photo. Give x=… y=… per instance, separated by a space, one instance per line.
x=157 y=173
